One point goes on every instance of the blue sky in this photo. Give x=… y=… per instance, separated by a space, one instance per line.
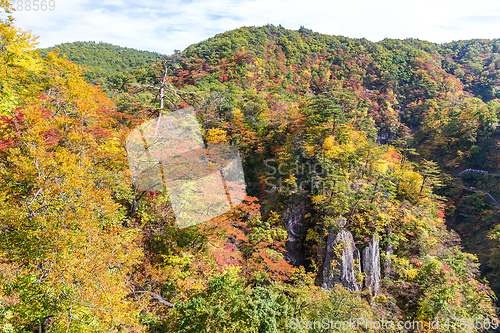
x=166 y=25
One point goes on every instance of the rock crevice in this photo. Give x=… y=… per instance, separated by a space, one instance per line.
x=294 y=223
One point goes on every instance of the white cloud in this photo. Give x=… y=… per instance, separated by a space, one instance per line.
x=174 y=24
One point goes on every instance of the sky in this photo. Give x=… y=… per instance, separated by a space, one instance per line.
x=167 y=25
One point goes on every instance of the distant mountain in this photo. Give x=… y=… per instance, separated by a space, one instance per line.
x=103 y=60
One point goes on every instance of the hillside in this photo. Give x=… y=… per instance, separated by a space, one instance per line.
x=103 y=60
x=434 y=99
x=352 y=151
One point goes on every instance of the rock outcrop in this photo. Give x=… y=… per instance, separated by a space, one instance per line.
x=294 y=222
x=371 y=264
x=342 y=262
x=388 y=270
x=389 y=252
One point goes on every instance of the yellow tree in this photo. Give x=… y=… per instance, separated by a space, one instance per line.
x=19 y=66
x=65 y=255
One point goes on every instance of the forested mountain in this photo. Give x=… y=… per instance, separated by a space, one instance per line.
x=475 y=63
x=354 y=155
x=106 y=61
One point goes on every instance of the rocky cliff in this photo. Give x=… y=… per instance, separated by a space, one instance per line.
x=371 y=264
x=342 y=262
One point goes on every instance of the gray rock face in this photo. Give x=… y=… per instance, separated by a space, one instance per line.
x=294 y=221
x=342 y=262
x=389 y=251
x=371 y=265
x=388 y=271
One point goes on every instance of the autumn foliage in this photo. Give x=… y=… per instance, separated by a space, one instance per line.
x=364 y=130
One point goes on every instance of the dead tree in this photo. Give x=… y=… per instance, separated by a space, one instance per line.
x=164 y=89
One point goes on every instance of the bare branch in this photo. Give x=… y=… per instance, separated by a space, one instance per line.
x=155 y=296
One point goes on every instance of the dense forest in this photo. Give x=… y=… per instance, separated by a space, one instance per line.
x=372 y=172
